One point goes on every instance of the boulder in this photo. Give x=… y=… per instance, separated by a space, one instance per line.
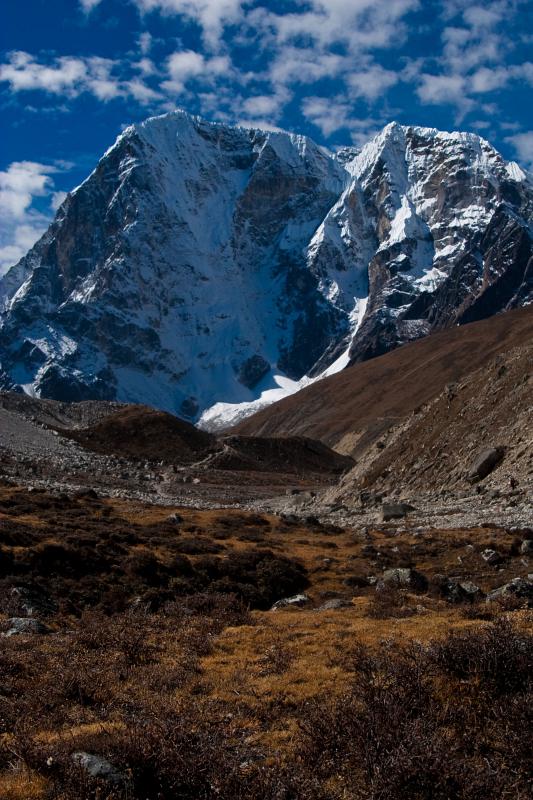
x=484 y=463
x=456 y=591
x=253 y=370
x=28 y=601
x=405 y=578
x=526 y=548
x=21 y=625
x=395 y=510
x=297 y=601
x=518 y=587
x=492 y=557
x=175 y=519
x=356 y=581
x=99 y=768
x=334 y=604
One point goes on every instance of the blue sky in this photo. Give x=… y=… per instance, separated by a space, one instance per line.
x=73 y=73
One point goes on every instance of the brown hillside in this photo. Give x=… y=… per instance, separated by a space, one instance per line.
x=435 y=448
x=352 y=409
x=142 y=433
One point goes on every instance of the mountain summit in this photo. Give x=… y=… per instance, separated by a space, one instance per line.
x=209 y=270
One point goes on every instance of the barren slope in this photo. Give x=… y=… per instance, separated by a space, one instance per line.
x=352 y=409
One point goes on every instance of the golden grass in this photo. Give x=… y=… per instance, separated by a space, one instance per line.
x=21 y=784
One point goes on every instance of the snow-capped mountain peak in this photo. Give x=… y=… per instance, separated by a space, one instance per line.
x=207 y=269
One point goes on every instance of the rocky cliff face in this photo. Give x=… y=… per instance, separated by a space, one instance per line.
x=209 y=270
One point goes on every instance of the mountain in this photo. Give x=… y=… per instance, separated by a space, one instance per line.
x=209 y=270
x=352 y=410
x=416 y=418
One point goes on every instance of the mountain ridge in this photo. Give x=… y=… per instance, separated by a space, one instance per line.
x=208 y=270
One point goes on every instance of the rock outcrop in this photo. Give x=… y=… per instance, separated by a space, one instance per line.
x=203 y=267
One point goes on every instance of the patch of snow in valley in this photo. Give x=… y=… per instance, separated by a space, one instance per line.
x=225 y=415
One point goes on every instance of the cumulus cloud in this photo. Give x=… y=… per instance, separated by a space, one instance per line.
x=523 y=145
x=20 y=183
x=211 y=15
x=474 y=58
x=186 y=65
x=71 y=76
x=21 y=224
x=371 y=82
x=88 y=5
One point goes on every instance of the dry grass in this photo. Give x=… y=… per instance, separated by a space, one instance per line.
x=222 y=686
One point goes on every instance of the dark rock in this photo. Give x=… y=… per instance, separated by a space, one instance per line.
x=253 y=370
x=518 y=587
x=21 y=625
x=395 y=510
x=334 y=604
x=456 y=591
x=356 y=582
x=297 y=601
x=405 y=578
x=189 y=407
x=492 y=557
x=484 y=463
x=99 y=768
x=28 y=601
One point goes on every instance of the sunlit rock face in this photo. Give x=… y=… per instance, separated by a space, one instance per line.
x=205 y=267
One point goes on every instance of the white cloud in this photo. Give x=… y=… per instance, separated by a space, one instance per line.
x=371 y=82
x=20 y=183
x=88 y=5
x=523 y=145
x=70 y=76
x=265 y=106
x=145 y=42
x=211 y=15
x=358 y=24
x=142 y=93
x=21 y=224
x=66 y=76
x=327 y=113
x=186 y=65
x=331 y=114
x=304 y=65
x=56 y=199
x=437 y=89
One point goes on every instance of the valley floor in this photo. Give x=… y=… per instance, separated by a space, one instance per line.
x=141 y=657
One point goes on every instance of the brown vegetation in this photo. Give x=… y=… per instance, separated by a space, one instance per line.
x=157 y=664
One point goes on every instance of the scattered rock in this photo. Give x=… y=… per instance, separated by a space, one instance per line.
x=484 y=463
x=297 y=601
x=99 y=767
x=28 y=601
x=395 y=510
x=253 y=370
x=21 y=625
x=518 y=587
x=492 y=557
x=456 y=591
x=405 y=578
x=355 y=582
x=334 y=604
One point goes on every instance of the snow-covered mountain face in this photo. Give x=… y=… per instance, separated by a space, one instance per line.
x=208 y=270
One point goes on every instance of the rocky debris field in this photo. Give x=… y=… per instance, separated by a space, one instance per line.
x=46 y=446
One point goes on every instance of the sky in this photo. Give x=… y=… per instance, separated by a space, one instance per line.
x=74 y=73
